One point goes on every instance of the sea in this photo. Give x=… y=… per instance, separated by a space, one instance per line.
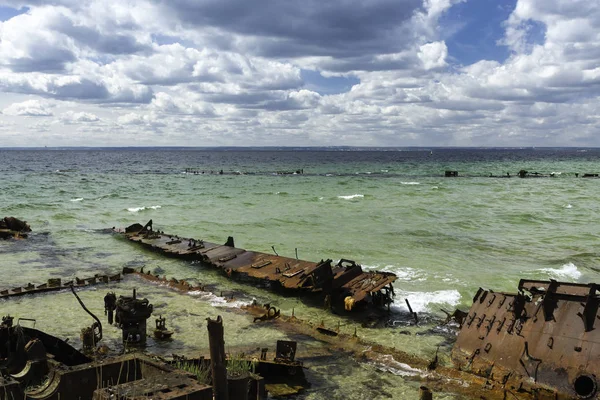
x=389 y=209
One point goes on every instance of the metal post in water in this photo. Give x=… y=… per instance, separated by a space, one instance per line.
x=217 y=358
x=425 y=393
x=414 y=314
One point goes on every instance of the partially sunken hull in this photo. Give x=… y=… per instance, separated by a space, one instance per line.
x=343 y=285
x=547 y=334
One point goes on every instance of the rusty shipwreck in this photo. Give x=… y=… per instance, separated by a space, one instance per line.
x=544 y=336
x=343 y=286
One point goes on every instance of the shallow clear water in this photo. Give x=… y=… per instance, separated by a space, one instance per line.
x=388 y=210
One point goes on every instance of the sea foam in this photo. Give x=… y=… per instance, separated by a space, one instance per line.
x=354 y=196
x=77 y=199
x=410 y=183
x=387 y=363
x=138 y=209
x=424 y=301
x=567 y=271
x=402 y=273
x=218 y=301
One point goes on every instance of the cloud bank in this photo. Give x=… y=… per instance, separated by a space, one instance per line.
x=342 y=72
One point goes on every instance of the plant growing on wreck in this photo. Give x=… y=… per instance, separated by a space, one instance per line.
x=238 y=366
x=200 y=370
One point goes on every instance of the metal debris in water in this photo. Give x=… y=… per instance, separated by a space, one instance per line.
x=161 y=332
x=131 y=315
x=57 y=284
x=344 y=285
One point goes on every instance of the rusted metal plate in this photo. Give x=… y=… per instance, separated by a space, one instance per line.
x=345 y=283
x=547 y=333
x=56 y=284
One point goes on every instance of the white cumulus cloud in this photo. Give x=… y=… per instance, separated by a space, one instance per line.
x=30 y=108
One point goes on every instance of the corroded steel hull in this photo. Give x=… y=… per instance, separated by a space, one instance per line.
x=547 y=334
x=344 y=285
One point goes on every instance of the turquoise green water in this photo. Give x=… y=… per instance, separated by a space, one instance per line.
x=392 y=211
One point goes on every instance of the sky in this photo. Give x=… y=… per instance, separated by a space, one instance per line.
x=300 y=73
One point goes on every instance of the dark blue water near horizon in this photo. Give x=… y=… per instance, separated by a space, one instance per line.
x=170 y=160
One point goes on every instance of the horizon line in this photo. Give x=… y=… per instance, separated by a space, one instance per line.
x=341 y=147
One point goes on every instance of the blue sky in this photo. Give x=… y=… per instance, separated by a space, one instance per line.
x=226 y=72
x=475 y=28
x=7 y=13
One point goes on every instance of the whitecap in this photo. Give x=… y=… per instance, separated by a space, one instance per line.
x=218 y=301
x=402 y=273
x=387 y=363
x=567 y=271
x=568 y=206
x=423 y=301
x=408 y=274
x=354 y=196
x=410 y=183
x=138 y=209
x=77 y=199
x=384 y=170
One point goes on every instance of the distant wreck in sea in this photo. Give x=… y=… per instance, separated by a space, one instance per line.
x=342 y=286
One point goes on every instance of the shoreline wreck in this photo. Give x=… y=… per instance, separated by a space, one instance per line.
x=344 y=286
x=546 y=336
x=539 y=343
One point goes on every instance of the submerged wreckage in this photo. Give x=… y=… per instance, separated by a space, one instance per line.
x=343 y=286
x=36 y=365
x=541 y=342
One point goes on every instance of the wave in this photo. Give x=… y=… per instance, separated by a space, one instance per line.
x=567 y=271
x=410 y=183
x=353 y=196
x=402 y=273
x=77 y=199
x=138 y=209
x=424 y=301
x=218 y=301
x=387 y=363
x=568 y=206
